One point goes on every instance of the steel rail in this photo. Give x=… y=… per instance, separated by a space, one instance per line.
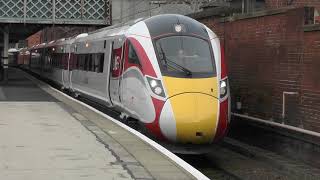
x=274 y=124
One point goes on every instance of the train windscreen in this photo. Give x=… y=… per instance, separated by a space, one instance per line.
x=185 y=56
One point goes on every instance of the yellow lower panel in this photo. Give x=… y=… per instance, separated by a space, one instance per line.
x=196 y=117
x=180 y=85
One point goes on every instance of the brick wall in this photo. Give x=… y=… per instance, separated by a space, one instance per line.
x=34 y=39
x=268 y=55
x=58 y=32
x=311 y=3
x=310 y=83
x=271 y=4
x=53 y=33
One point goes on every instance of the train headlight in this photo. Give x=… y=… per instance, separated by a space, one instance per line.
x=156 y=86
x=223 y=88
x=158 y=90
x=178 y=28
x=153 y=83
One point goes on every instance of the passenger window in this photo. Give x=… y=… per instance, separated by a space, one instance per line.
x=65 y=61
x=101 y=63
x=96 y=62
x=81 y=62
x=93 y=56
x=76 y=61
x=133 y=58
x=57 y=62
x=86 y=60
x=90 y=62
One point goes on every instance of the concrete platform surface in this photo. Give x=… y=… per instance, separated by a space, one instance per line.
x=44 y=135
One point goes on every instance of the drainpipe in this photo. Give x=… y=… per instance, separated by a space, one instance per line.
x=284 y=103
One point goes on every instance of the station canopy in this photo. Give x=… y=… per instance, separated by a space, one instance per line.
x=23 y=18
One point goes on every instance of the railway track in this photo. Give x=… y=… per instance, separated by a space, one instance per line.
x=208 y=167
x=225 y=164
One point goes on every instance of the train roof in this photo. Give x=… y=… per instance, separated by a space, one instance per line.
x=175 y=24
x=116 y=30
x=157 y=25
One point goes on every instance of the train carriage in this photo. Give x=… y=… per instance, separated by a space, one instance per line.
x=23 y=57
x=166 y=71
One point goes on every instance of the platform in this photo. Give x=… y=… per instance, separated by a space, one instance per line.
x=46 y=135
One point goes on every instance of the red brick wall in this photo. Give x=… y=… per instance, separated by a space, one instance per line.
x=310 y=83
x=58 y=32
x=271 y=4
x=261 y=50
x=34 y=39
x=266 y=56
x=53 y=33
x=309 y=3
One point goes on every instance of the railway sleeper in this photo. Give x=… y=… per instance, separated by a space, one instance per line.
x=293 y=168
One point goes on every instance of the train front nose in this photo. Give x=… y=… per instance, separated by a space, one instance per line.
x=193 y=110
x=196 y=117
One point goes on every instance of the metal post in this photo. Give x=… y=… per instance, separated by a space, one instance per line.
x=53 y=11
x=108 y=11
x=253 y=5
x=5 y=53
x=82 y=10
x=24 y=11
x=247 y=6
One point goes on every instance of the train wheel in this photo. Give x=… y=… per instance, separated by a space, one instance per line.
x=75 y=94
x=123 y=117
x=133 y=123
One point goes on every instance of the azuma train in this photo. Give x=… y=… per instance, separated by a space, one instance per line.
x=168 y=72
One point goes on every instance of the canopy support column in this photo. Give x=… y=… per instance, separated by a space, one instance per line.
x=5 y=57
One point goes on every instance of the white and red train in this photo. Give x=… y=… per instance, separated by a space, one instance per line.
x=167 y=71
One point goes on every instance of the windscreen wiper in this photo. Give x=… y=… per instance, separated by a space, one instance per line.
x=187 y=71
x=176 y=66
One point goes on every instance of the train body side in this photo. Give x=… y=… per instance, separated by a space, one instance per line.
x=123 y=68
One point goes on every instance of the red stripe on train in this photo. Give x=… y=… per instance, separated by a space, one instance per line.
x=145 y=61
x=154 y=127
x=223 y=63
x=223 y=121
x=147 y=69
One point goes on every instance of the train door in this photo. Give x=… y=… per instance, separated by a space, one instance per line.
x=66 y=68
x=73 y=65
x=116 y=70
